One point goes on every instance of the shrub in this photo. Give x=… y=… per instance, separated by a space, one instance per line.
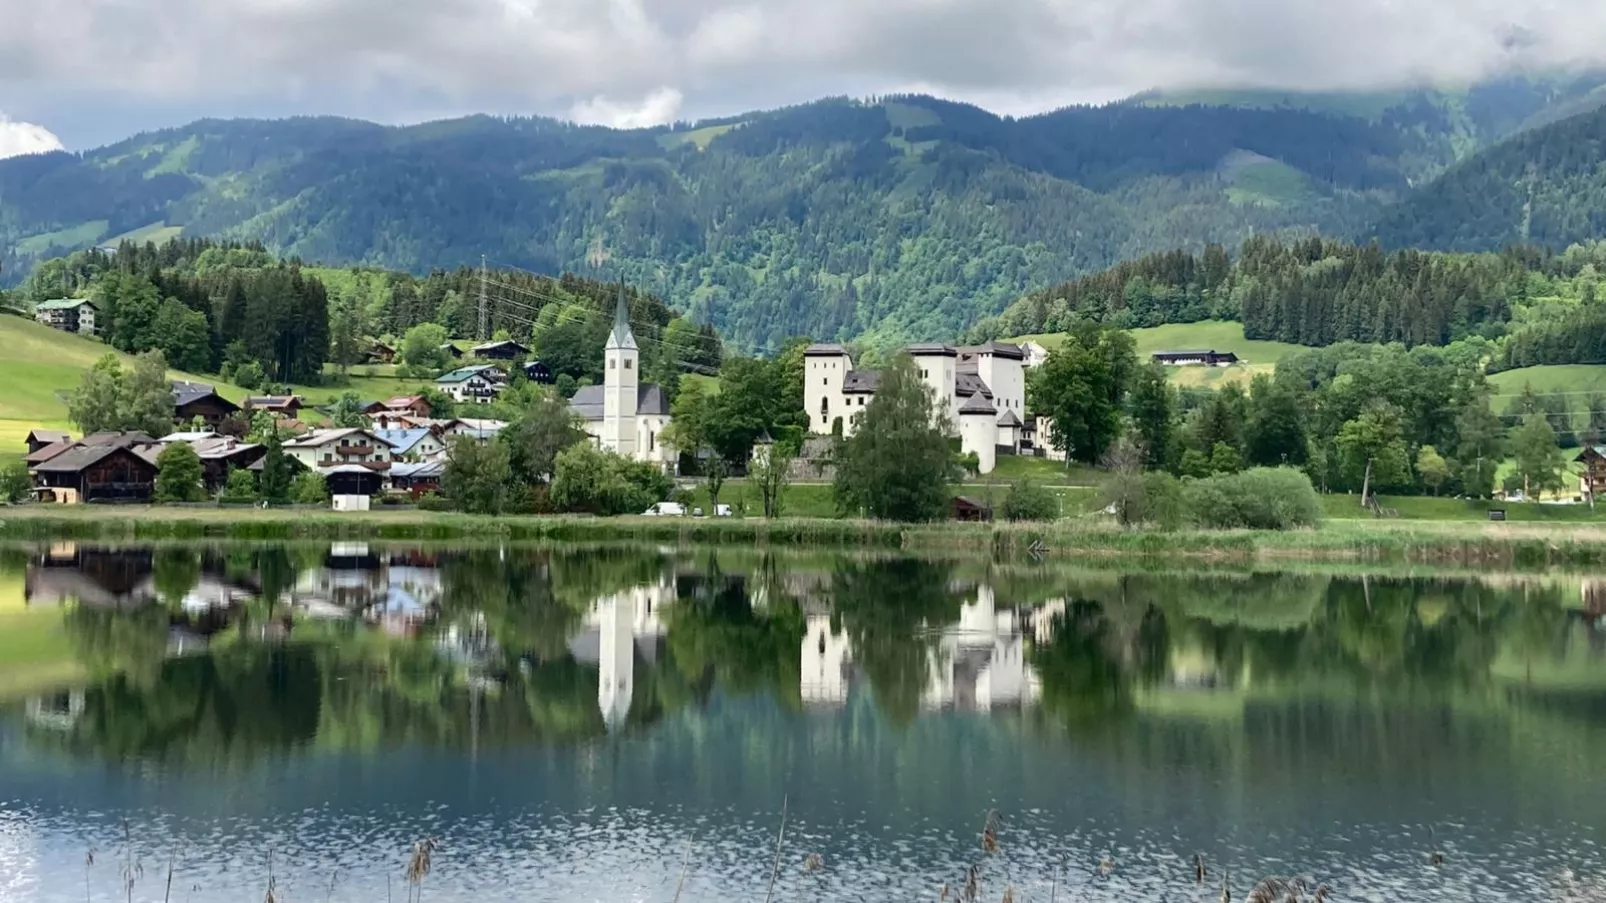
x=249 y=375
x=14 y=482
x=309 y=488
x=1166 y=508
x=432 y=502
x=1264 y=498
x=178 y=474
x=241 y=487
x=591 y=480
x=1028 y=501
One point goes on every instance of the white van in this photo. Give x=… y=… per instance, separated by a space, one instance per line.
x=666 y=509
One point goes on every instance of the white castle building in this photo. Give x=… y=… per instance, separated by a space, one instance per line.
x=623 y=414
x=983 y=388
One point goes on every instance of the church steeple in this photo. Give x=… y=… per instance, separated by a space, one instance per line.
x=621 y=337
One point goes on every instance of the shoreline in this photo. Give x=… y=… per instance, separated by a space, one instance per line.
x=1497 y=545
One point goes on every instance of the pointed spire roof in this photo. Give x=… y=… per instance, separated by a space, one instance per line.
x=621 y=337
x=978 y=405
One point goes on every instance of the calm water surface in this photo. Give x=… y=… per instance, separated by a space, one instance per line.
x=568 y=723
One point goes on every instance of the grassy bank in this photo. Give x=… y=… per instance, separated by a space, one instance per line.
x=1396 y=541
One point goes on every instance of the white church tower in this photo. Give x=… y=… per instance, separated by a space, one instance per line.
x=620 y=374
x=616 y=659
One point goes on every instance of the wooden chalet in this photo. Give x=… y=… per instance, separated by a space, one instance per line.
x=287 y=406
x=96 y=473
x=537 y=372
x=1593 y=478
x=503 y=350
x=1208 y=358
x=39 y=439
x=192 y=400
x=380 y=353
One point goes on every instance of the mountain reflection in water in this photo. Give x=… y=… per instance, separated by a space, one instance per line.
x=567 y=720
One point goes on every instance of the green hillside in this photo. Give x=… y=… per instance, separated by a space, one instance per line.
x=1574 y=382
x=1218 y=335
x=903 y=218
x=41 y=367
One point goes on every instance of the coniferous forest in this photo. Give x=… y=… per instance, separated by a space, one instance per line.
x=886 y=219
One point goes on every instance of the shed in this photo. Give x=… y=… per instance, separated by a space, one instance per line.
x=969 y=509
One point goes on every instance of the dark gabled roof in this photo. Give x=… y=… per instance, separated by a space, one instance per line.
x=273 y=401
x=64 y=304
x=860 y=381
x=825 y=349
x=500 y=343
x=49 y=451
x=978 y=405
x=996 y=349
x=49 y=436
x=185 y=393
x=78 y=458
x=588 y=401
x=1009 y=419
x=1598 y=450
x=968 y=383
x=117 y=439
x=931 y=349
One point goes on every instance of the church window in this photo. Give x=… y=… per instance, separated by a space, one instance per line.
x=649 y=440
x=627 y=363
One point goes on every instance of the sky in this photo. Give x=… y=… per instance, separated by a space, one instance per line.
x=83 y=73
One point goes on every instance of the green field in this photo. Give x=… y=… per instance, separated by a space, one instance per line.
x=1220 y=335
x=41 y=367
x=155 y=233
x=72 y=237
x=1574 y=381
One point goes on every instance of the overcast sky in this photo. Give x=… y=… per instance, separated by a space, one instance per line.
x=94 y=71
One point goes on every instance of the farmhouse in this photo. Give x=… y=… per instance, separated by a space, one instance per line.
x=1210 y=358
x=624 y=415
x=95 y=473
x=40 y=438
x=983 y=388
x=192 y=400
x=67 y=314
x=413 y=444
x=503 y=350
x=278 y=405
x=472 y=385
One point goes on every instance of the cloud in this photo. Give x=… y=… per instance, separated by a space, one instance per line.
x=18 y=138
x=658 y=108
x=397 y=60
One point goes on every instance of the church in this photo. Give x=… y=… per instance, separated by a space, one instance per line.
x=623 y=414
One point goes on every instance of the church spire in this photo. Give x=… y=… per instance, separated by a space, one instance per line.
x=621 y=337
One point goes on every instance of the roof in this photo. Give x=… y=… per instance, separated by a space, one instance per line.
x=318 y=438
x=860 y=381
x=587 y=403
x=403 y=441
x=188 y=437
x=49 y=436
x=50 y=451
x=117 y=439
x=931 y=349
x=362 y=469
x=63 y=304
x=221 y=447
x=1210 y=352
x=417 y=471
x=1009 y=419
x=188 y=393
x=825 y=349
x=997 y=349
x=272 y=401
x=1598 y=450
x=462 y=374
x=967 y=384
x=403 y=401
x=78 y=458
x=499 y=343
x=621 y=337
x=977 y=405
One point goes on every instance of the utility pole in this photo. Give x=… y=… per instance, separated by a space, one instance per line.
x=485 y=310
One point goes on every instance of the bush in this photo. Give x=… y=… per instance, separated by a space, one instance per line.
x=593 y=481
x=432 y=502
x=1264 y=498
x=1028 y=501
x=241 y=487
x=249 y=375
x=309 y=488
x=1166 y=508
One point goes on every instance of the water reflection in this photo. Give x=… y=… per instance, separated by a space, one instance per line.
x=595 y=708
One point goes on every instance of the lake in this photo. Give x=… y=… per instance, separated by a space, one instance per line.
x=612 y=724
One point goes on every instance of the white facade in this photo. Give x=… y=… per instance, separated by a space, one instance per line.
x=620 y=621
x=826 y=659
x=995 y=373
x=472 y=385
x=322 y=449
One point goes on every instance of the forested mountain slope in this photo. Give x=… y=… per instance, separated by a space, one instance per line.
x=900 y=218
x=1546 y=187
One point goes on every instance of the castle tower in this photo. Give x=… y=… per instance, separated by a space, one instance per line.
x=978 y=431
x=620 y=376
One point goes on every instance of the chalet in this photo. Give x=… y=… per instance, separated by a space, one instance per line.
x=96 y=473
x=452 y=351
x=1211 y=358
x=219 y=455
x=1593 y=479
x=969 y=509
x=322 y=449
x=472 y=385
x=286 y=406
x=41 y=455
x=538 y=373
x=415 y=480
x=40 y=438
x=504 y=350
x=481 y=431
x=67 y=314
x=380 y=353
x=192 y=400
x=413 y=444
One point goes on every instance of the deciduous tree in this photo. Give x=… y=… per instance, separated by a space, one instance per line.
x=898 y=464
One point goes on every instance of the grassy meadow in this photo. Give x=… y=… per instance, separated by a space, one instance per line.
x=1220 y=335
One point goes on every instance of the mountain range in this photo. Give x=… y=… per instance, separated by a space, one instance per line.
x=886 y=219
